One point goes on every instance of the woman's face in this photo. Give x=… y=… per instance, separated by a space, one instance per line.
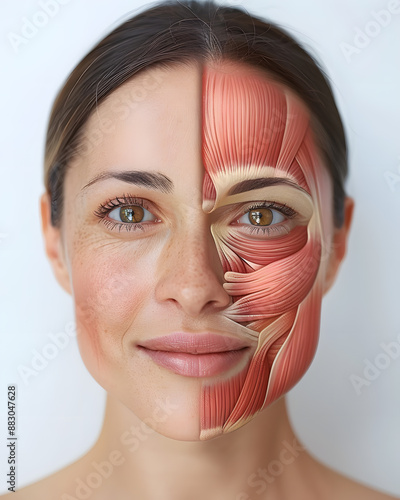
x=195 y=208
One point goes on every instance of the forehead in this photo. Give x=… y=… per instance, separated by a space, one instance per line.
x=228 y=120
x=254 y=127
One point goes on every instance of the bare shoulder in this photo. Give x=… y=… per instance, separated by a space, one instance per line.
x=65 y=484
x=56 y=486
x=345 y=488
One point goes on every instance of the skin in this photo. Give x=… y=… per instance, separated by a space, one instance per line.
x=174 y=274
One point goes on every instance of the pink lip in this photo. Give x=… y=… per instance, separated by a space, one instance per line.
x=195 y=355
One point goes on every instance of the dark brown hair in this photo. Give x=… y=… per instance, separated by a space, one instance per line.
x=176 y=31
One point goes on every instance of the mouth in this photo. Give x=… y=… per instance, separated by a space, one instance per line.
x=195 y=355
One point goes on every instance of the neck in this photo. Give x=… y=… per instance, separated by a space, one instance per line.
x=263 y=456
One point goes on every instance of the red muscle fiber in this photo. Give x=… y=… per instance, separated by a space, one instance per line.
x=254 y=128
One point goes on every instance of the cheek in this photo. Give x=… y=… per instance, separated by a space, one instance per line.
x=109 y=287
x=281 y=299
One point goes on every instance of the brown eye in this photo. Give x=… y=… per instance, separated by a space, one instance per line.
x=261 y=216
x=132 y=213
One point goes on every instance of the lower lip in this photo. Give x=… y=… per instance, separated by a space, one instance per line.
x=197 y=365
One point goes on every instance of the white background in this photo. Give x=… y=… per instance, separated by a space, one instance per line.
x=60 y=410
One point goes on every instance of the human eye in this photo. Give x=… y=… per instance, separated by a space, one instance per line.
x=266 y=218
x=126 y=213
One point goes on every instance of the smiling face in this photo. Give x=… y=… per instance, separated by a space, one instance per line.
x=199 y=210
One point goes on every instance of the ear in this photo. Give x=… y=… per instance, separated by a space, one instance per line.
x=339 y=244
x=53 y=244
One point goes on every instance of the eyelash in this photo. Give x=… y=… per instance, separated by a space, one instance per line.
x=268 y=230
x=119 y=202
x=125 y=200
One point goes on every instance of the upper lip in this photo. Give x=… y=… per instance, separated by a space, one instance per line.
x=194 y=343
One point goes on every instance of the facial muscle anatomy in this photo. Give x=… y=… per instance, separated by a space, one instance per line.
x=258 y=145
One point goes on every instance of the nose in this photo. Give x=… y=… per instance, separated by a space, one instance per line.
x=191 y=274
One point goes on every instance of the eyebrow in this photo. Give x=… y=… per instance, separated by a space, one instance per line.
x=152 y=180
x=252 y=184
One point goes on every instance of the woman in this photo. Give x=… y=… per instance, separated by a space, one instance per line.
x=195 y=211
